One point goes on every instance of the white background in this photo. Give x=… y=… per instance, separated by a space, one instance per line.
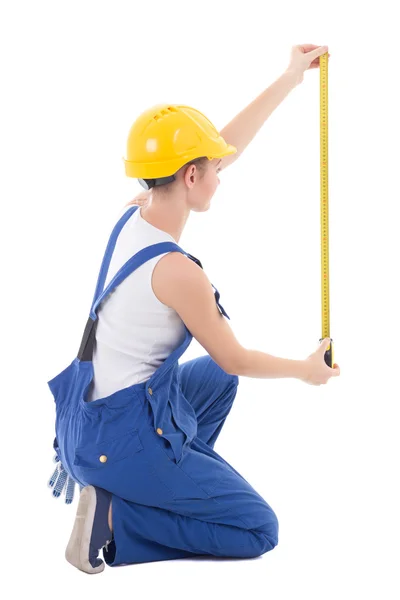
x=75 y=75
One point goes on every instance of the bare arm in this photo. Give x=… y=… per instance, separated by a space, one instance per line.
x=182 y=285
x=243 y=128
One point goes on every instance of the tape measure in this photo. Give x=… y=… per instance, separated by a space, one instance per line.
x=325 y=313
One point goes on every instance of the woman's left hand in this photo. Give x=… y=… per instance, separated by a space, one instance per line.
x=141 y=199
x=304 y=57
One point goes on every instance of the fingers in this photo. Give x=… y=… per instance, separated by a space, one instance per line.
x=69 y=490
x=53 y=478
x=307 y=47
x=140 y=200
x=61 y=482
x=335 y=370
x=317 y=52
x=312 y=50
x=315 y=63
x=324 y=344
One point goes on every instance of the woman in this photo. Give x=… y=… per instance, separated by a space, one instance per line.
x=139 y=436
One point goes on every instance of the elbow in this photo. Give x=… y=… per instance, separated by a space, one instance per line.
x=233 y=370
x=238 y=367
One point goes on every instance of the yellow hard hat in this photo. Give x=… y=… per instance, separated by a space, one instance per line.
x=166 y=137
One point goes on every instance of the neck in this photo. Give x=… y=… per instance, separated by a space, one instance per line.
x=168 y=214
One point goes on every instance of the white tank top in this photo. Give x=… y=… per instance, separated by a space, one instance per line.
x=135 y=331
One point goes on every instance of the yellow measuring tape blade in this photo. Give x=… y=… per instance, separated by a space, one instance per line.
x=323 y=69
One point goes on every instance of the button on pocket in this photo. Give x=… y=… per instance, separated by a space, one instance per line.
x=100 y=455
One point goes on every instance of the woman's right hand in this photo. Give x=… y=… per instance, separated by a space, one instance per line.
x=316 y=371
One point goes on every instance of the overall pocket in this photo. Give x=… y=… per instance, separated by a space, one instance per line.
x=160 y=456
x=103 y=454
x=122 y=466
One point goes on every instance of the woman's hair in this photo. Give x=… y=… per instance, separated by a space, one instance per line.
x=201 y=164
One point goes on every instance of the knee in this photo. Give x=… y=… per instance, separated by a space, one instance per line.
x=265 y=537
x=271 y=536
x=231 y=389
x=270 y=531
x=223 y=376
x=234 y=379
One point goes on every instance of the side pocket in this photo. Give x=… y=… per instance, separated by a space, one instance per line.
x=101 y=454
x=125 y=467
x=182 y=482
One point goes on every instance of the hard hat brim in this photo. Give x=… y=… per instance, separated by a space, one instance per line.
x=155 y=170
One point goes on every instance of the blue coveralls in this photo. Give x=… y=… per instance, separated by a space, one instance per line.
x=151 y=446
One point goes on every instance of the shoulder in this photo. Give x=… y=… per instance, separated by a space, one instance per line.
x=175 y=266
x=175 y=273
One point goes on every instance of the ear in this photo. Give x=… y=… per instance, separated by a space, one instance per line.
x=189 y=174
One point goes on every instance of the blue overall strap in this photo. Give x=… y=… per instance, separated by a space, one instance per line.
x=216 y=292
x=136 y=261
x=86 y=347
x=109 y=251
x=131 y=265
x=85 y=351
